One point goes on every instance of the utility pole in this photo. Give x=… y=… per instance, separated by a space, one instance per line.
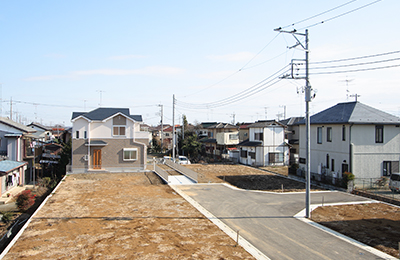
x=173 y=128
x=266 y=108
x=294 y=33
x=11 y=108
x=233 y=118
x=162 y=127
x=101 y=96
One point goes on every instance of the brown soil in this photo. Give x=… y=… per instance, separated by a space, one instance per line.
x=134 y=216
x=121 y=216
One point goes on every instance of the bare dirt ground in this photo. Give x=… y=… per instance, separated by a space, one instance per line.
x=133 y=216
x=121 y=216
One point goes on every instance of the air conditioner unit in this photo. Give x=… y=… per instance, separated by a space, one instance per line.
x=85 y=157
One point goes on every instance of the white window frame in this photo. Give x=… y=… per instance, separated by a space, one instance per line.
x=130 y=150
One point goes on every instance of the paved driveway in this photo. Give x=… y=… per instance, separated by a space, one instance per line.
x=266 y=220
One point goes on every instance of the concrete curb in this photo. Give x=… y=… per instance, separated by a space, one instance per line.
x=242 y=241
x=301 y=216
x=11 y=244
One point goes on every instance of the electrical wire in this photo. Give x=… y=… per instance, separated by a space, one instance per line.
x=356 y=58
x=356 y=70
x=243 y=94
x=356 y=64
x=340 y=15
x=309 y=18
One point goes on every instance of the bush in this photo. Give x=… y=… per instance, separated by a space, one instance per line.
x=7 y=217
x=25 y=200
x=347 y=176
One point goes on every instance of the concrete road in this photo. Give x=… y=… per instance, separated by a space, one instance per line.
x=266 y=221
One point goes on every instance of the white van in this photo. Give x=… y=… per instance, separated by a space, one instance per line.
x=394 y=183
x=183 y=160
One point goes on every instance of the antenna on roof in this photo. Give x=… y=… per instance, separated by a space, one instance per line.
x=347 y=87
x=101 y=92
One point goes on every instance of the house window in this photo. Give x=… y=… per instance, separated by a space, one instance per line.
x=77 y=134
x=319 y=135
x=85 y=134
x=130 y=154
x=245 y=134
x=258 y=136
x=329 y=134
x=252 y=155
x=302 y=160
x=333 y=164
x=233 y=137
x=243 y=153
x=275 y=157
x=343 y=133
x=389 y=167
x=118 y=130
x=327 y=161
x=379 y=134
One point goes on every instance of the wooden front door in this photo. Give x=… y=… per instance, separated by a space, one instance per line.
x=96 y=159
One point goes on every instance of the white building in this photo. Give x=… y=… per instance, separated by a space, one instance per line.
x=266 y=145
x=352 y=137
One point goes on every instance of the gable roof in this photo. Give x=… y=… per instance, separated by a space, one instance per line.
x=223 y=125
x=35 y=124
x=291 y=120
x=18 y=126
x=102 y=113
x=264 y=123
x=353 y=113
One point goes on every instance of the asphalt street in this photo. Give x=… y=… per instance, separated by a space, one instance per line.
x=267 y=221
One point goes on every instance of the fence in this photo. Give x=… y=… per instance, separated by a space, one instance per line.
x=185 y=171
x=104 y=169
x=378 y=187
x=163 y=174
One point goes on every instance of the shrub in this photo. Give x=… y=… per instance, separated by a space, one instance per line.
x=347 y=176
x=7 y=217
x=25 y=200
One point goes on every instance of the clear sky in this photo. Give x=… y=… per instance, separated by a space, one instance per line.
x=58 y=57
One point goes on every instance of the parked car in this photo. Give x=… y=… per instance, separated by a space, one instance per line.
x=183 y=160
x=394 y=183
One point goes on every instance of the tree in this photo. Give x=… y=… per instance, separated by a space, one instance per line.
x=191 y=146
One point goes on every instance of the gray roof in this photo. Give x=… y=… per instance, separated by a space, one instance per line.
x=223 y=125
x=250 y=143
x=7 y=165
x=18 y=126
x=291 y=120
x=353 y=113
x=102 y=113
x=264 y=123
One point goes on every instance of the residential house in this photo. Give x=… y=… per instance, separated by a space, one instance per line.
x=202 y=130
x=109 y=140
x=266 y=145
x=292 y=135
x=351 y=137
x=159 y=135
x=11 y=174
x=220 y=137
x=16 y=145
x=244 y=131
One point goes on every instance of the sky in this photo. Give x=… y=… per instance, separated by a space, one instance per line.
x=221 y=60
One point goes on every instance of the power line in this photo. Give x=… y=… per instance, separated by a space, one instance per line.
x=309 y=18
x=356 y=64
x=340 y=15
x=243 y=94
x=356 y=58
x=356 y=70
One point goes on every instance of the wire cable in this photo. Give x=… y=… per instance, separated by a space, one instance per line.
x=356 y=70
x=340 y=15
x=309 y=18
x=356 y=64
x=239 y=95
x=356 y=58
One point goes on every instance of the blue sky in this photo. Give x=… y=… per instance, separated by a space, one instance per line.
x=63 y=56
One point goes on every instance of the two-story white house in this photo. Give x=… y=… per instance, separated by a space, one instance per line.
x=266 y=145
x=108 y=139
x=352 y=137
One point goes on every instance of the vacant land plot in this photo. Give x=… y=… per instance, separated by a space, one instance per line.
x=121 y=216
